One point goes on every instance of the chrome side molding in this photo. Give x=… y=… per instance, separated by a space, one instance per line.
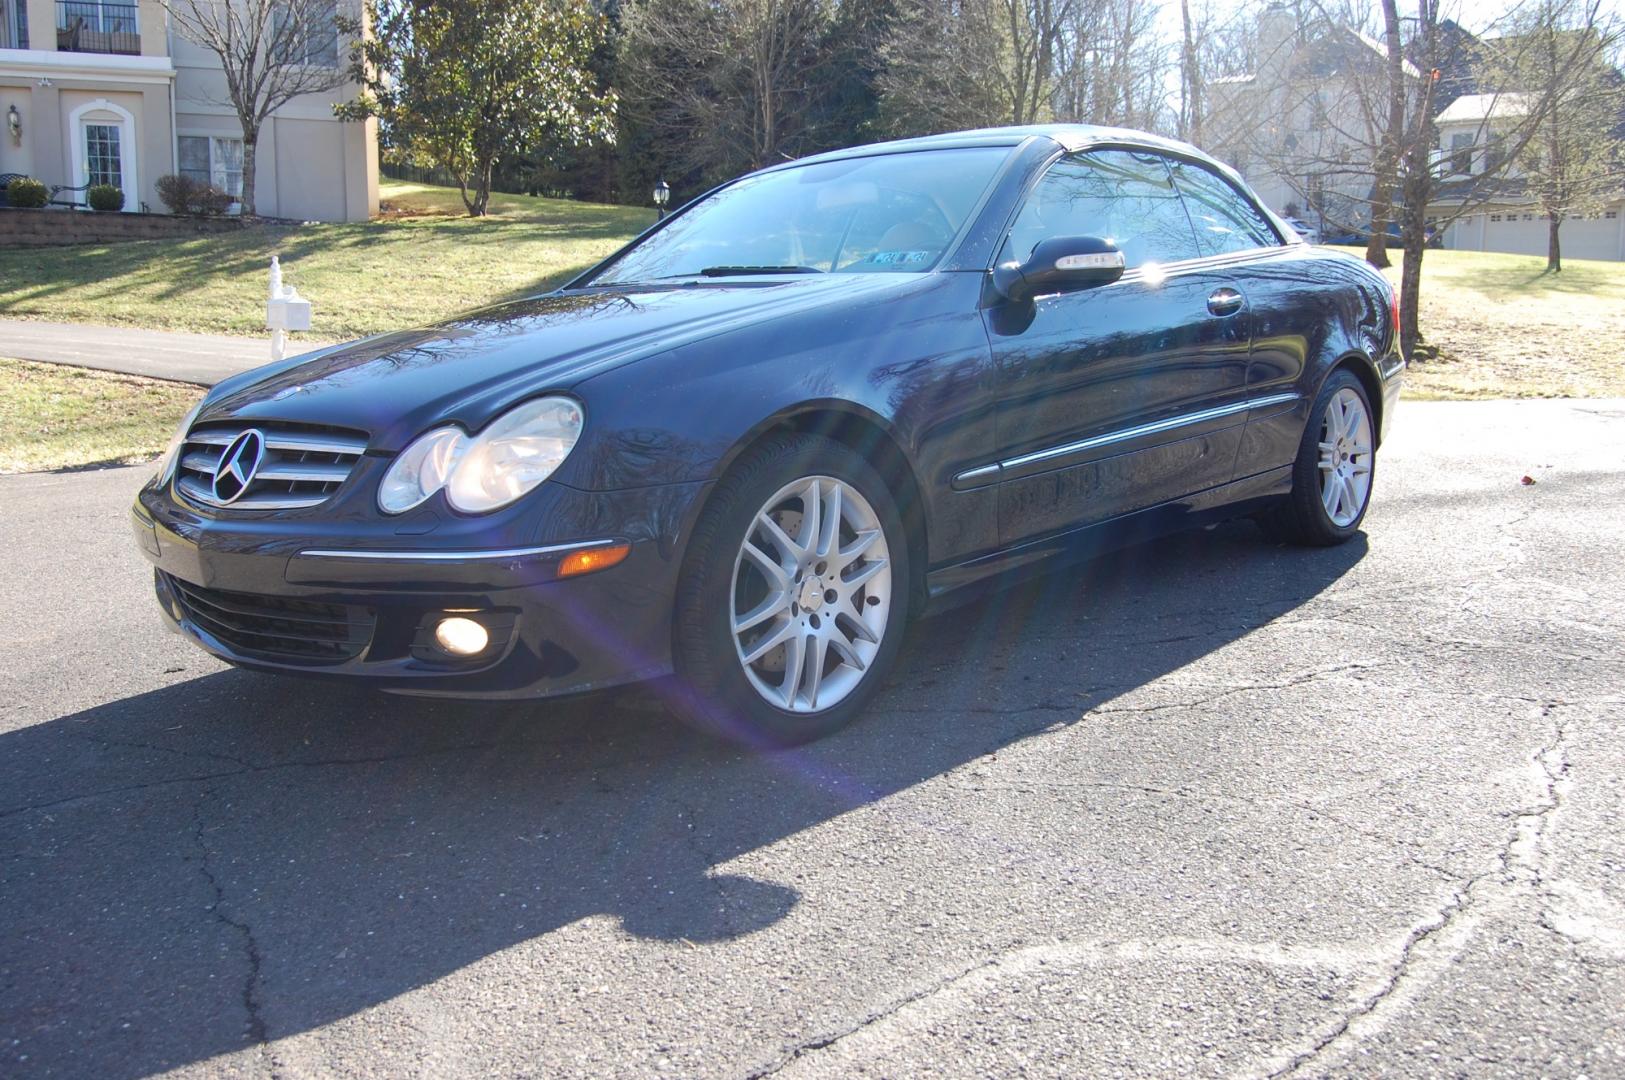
x=986 y=474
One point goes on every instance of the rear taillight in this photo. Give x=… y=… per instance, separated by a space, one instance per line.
x=1393 y=306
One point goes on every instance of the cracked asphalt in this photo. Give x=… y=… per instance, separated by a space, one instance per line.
x=1210 y=807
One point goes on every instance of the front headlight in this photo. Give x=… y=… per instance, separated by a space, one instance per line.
x=516 y=452
x=166 y=464
x=421 y=470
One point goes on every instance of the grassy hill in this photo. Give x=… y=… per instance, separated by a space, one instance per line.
x=421 y=260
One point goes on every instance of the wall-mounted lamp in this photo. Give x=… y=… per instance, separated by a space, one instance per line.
x=43 y=83
x=14 y=124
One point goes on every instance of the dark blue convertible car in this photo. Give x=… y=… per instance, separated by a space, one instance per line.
x=747 y=447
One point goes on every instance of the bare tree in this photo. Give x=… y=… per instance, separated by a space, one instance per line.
x=271 y=51
x=1190 y=78
x=986 y=61
x=1112 y=67
x=936 y=64
x=729 y=81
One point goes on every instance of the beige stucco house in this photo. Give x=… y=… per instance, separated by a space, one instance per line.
x=109 y=92
x=1299 y=125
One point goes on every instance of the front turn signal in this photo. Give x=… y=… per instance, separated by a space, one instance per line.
x=588 y=560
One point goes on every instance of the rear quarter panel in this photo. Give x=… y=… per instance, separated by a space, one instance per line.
x=1313 y=310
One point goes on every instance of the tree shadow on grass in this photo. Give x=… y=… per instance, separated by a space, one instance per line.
x=189 y=870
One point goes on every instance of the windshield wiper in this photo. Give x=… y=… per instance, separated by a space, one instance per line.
x=742 y=271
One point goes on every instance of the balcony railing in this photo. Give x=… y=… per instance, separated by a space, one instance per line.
x=90 y=26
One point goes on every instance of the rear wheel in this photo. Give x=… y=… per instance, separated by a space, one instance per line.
x=1334 y=469
x=794 y=594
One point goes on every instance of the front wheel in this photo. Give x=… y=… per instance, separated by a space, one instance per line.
x=1332 y=476
x=794 y=595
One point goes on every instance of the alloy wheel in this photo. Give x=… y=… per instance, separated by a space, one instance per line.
x=1345 y=457
x=812 y=591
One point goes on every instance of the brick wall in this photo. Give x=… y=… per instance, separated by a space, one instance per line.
x=60 y=227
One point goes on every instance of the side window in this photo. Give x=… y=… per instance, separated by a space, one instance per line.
x=1124 y=195
x=1225 y=220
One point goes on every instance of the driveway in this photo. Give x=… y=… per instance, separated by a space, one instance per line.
x=1209 y=807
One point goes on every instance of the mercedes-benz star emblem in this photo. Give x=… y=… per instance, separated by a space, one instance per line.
x=238 y=465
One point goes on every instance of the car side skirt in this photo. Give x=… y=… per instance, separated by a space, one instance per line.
x=950 y=586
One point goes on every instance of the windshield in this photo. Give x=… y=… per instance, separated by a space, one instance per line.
x=894 y=213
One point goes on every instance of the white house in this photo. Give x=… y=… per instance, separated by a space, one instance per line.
x=1469 y=145
x=102 y=92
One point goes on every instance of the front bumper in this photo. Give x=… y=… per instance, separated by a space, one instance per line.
x=340 y=596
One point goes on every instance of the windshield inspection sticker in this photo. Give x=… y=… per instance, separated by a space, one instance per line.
x=900 y=258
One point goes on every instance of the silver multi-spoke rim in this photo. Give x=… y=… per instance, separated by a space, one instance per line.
x=1345 y=458
x=811 y=594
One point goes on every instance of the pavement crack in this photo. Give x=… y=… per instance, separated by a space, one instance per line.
x=1515 y=865
x=830 y=1038
x=255 y=1027
x=1389 y=985
x=103 y=740
x=1230 y=691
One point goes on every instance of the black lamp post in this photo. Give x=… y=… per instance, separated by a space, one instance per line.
x=662 y=197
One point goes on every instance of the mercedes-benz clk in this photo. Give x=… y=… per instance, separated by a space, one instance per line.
x=746 y=448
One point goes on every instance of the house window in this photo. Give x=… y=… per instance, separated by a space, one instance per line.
x=16 y=15
x=1495 y=217
x=1529 y=217
x=1611 y=215
x=212 y=159
x=103 y=163
x=314 y=40
x=102 y=16
x=1461 y=153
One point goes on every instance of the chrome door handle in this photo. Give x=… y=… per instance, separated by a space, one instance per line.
x=1224 y=302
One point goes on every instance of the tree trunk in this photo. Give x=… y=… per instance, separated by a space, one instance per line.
x=251 y=140
x=482 y=193
x=1413 y=233
x=1554 y=245
x=1192 y=72
x=462 y=190
x=1382 y=192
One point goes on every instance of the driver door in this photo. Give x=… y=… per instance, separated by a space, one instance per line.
x=1103 y=393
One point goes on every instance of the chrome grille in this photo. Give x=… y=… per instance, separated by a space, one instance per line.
x=303 y=465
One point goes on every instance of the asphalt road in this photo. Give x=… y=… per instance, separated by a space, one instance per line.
x=1211 y=807
x=204 y=359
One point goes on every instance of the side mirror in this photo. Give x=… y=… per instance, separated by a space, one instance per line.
x=1060 y=264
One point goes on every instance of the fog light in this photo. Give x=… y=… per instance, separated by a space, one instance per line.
x=461 y=637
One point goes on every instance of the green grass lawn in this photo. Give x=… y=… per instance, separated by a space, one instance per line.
x=422 y=260
x=54 y=417
x=1503 y=327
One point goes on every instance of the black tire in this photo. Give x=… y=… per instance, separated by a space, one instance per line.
x=713 y=690
x=1301 y=518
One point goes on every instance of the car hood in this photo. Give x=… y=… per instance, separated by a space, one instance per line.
x=464 y=370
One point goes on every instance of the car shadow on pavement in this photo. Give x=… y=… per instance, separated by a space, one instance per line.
x=238 y=857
